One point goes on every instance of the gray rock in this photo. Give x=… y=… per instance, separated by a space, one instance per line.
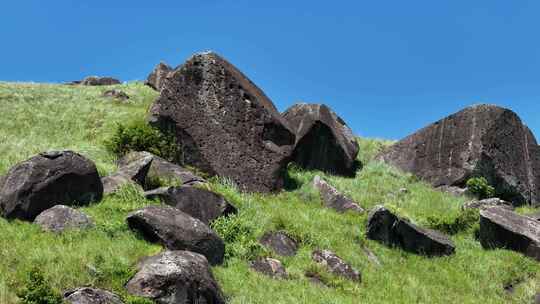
x=453 y=190
x=134 y=172
x=99 y=81
x=87 y=295
x=323 y=140
x=174 y=277
x=156 y=78
x=270 y=267
x=61 y=218
x=201 y=204
x=387 y=228
x=336 y=265
x=116 y=94
x=280 y=243
x=48 y=179
x=331 y=198
x=482 y=140
x=490 y=202
x=239 y=134
x=177 y=230
x=535 y=216
x=502 y=228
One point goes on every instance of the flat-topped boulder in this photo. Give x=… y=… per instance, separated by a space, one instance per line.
x=332 y=198
x=156 y=78
x=134 y=172
x=99 y=81
x=385 y=227
x=88 y=295
x=224 y=124
x=48 y=179
x=323 y=140
x=503 y=228
x=482 y=140
x=61 y=218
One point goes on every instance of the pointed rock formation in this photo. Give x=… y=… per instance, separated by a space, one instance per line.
x=225 y=124
x=323 y=140
x=156 y=78
x=482 y=140
x=331 y=198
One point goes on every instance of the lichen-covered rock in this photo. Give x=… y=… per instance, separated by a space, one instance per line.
x=482 y=140
x=489 y=202
x=332 y=198
x=174 y=277
x=270 y=267
x=99 y=81
x=323 y=140
x=134 y=172
x=177 y=230
x=280 y=243
x=48 y=179
x=61 y=218
x=224 y=124
x=87 y=295
x=336 y=265
x=156 y=78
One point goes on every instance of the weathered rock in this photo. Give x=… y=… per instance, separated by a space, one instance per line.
x=387 y=228
x=482 y=140
x=490 y=202
x=160 y=169
x=87 y=295
x=48 y=179
x=156 y=78
x=535 y=216
x=201 y=204
x=280 y=243
x=177 y=230
x=117 y=94
x=173 y=277
x=61 y=218
x=453 y=190
x=270 y=267
x=331 y=198
x=134 y=172
x=99 y=81
x=336 y=265
x=224 y=124
x=502 y=228
x=323 y=140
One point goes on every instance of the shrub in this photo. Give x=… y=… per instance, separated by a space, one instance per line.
x=239 y=237
x=37 y=290
x=480 y=187
x=465 y=220
x=137 y=135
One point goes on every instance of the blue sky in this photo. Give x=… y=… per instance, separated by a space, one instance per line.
x=387 y=67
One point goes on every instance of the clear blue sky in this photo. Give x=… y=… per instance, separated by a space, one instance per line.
x=387 y=67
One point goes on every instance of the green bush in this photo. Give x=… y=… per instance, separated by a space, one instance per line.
x=465 y=220
x=138 y=135
x=238 y=233
x=480 y=187
x=37 y=290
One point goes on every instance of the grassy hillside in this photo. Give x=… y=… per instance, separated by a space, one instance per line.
x=44 y=117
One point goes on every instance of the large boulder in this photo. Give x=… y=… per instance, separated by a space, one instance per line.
x=174 y=277
x=332 y=198
x=336 y=265
x=61 y=218
x=482 y=140
x=88 y=295
x=132 y=173
x=177 y=230
x=280 y=242
x=99 y=81
x=201 y=204
x=224 y=124
x=389 y=229
x=48 y=179
x=503 y=228
x=323 y=140
x=156 y=78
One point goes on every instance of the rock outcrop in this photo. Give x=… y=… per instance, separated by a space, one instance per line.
x=156 y=78
x=61 y=218
x=502 y=228
x=173 y=277
x=99 y=81
x=225 y=125
x=387 y=228
x=116 y=94
x=280 y=243
x=332 y=198
x=323 y=140
x=177 y=230
x=482 y=140
x=48 y=179
x=489 y=202
x=336 y=265
x=135 y=173
x=270 y=267
x=87 y=295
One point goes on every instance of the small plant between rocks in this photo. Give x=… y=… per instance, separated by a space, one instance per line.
x=480 y=187
x=36 y=290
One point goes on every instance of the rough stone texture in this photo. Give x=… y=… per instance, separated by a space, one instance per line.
x=177 y=230
x=117 y=94
x=87 y=295
x=502 y=228
x=156 y=78
x=99 y=81
x=61 y=218
x=134 y=172
x=482 y=140
x=535 y=216
x=201 y=204
x=48 y=179
x=280 y=243
x=174 y=277
x=160 y=169
x=225 y=124
x=490 y=202
x=453 y=190
x=270 y=267
x=387 y=228
x=323 y=140
x=336 y=265
x=331 y=198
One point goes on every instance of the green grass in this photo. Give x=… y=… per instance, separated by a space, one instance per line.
x=43 y=117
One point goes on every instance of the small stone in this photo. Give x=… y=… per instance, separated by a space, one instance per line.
x=270 y=267
x=336 y=265
x=116 y=94
x=280 y=243
x=332 y=198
